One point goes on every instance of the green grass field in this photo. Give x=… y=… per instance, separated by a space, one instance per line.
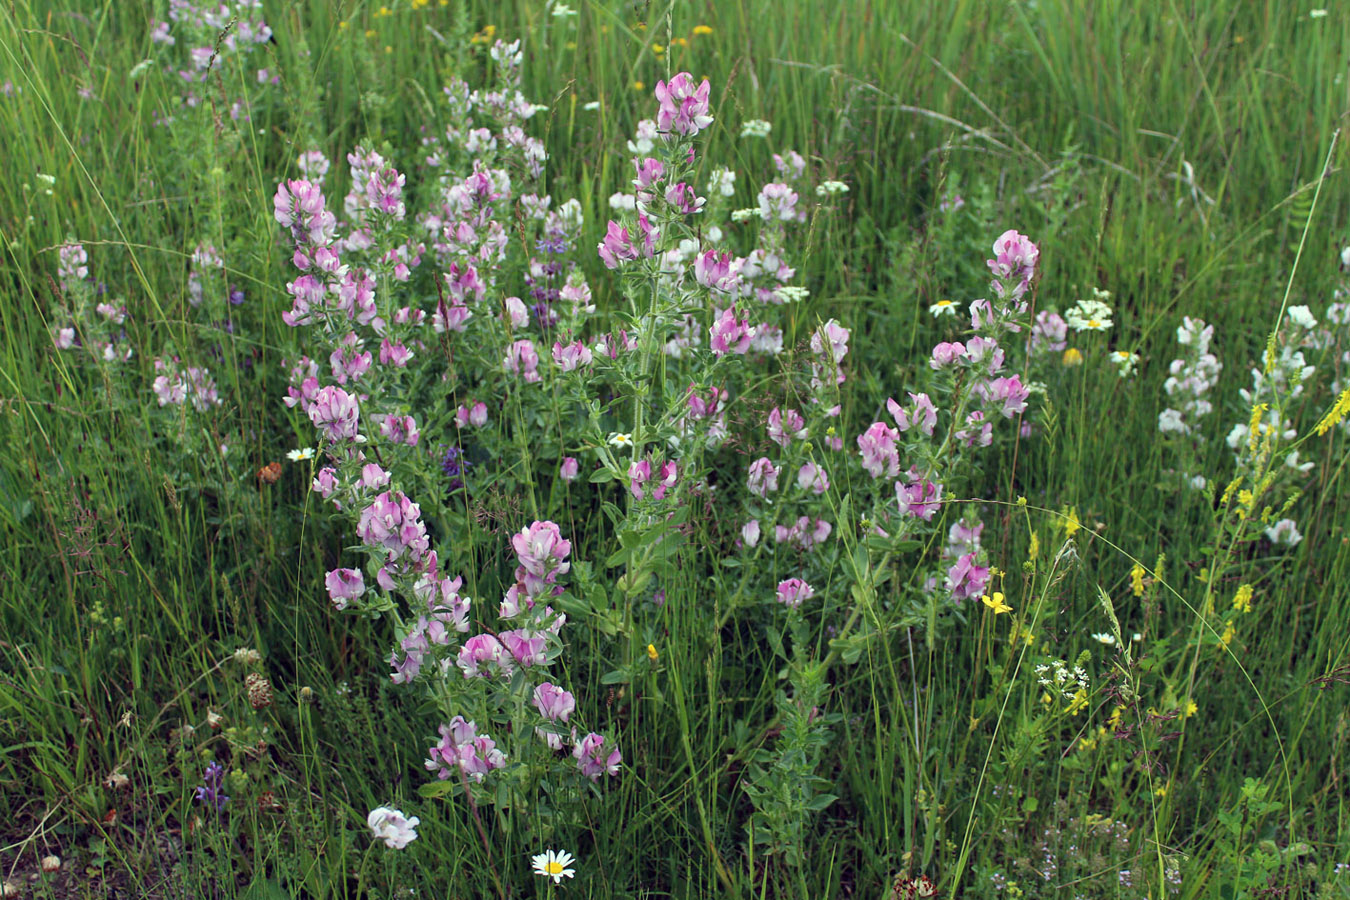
x=163 y=606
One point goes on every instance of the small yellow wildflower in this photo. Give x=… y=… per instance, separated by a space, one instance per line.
x=342 y=26
x=658 y=49
x=996 y=603
x=1242 y=601
x=651 y=652
x=1073 y=357
x=382 y=12
x=1116 y=718
x=683 y=42
x=642 y=26
x=1137 y=580
x=702 y=29
x=1070 y=522
x=371 y=32
x=1227 y=636
x=639 y=86
x=1034 y=550
x=1191 y=708
x=1079 y=703
x=388 y=49
x=1161 y=791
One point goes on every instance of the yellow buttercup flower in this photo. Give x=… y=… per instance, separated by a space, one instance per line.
x=702 y=29
x=1191 y=708
x=651 y=652
x=1073 y=357
x=996 y=603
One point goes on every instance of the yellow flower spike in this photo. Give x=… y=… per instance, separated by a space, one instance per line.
x=1070 y=523
x=1073 y=357
x=1079 y=703
x=1034 y=550
x=1227 y=636
x=1191 y=708
x=702 y=29
x=996 y=603
x=651 y=652
x=1335 y=414
x=1137 y=580
x=1116 y=718
x=1161 y=791
x=683 y=42
x=1242 y=601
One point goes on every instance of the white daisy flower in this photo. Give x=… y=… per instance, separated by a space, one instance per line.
x=301 y=455
x=1102 y=637
x=621 y=440
x=553 y=864
x=942 y=308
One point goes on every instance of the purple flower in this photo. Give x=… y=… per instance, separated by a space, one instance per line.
x=212 y=790
x=541 y=550
x=568 y=469
x=763 y=478
x=920 y=497
x=729 y=334
x=336 y=412
x=967 y=578
x=344 y=585
x=591 y=756
x=879 y=454
x=553 y=703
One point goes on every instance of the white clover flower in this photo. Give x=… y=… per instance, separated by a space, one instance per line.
x=756 y=128
x=942 y=308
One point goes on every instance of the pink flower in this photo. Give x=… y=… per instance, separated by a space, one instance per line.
x=1049 y=333
x=919 y=498
x=813 y=478
x=1015 y=258
x=483 y=655
x=684 y=107
x=778 y=202
x=336 y=412
x=617 y=247
x=553 y=703
x=713 y=271
x=400 y=430
x=373 y=477
x=393 y=522
x=784 y=426
x=763 y=478
x=729 y=334
x=344 y=585
x=967 y=578
x=568 y=469
x=831 y=339
x=522 y=359
x=793 y=592
x=945 y=354
x=879 y=454
x=684 y=198
x=638 y=475
x=1011 y=393
x=666 y=480
x=541 y=550
x=526 y=648
x=750 y=532
x=569 y=357
x=462 y=747
x=591 y=756
x=478 y=415
x=923 y=416
x=516 y=312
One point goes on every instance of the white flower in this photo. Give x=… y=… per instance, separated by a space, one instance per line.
x=622 y=201
x=1137 y=637
x=301 y=455
x=741 y=215
x=562 y=11
x=722 y=181
x=942 y=308
x=592 y=106
x=553 y=864
x=1317 y=13
x=392 y=827
x=1089 y=315
x=1345 y=256
x=790 y=293
x=1198 y=482
x=825 y=188
x=756 y=128
x=1102 y=637
x=1284 y=532
x=1125 y=362
x=1302 y=316
x=620 y=440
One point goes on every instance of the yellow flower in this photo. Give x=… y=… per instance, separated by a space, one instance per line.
x=1191 y=708
x=1073 y=357
x=1335 y=414
x=1161 y=791
x=342 y=26
x=639 y=86
x=1079 y=703
x=651 y=652
x=658 y=49
x=683 y=42
x=371 y=32
x=1227 y=636
x=996 y=603
x=1070 y=522
x=1242 y=601
x=1034 y=550
x=1137 y=580
x=702 y=29
x=388 y=49
x=1116 y=718
x=383 y=11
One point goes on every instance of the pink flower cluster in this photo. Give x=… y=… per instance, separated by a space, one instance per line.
x=175 y=385
x=463 y=749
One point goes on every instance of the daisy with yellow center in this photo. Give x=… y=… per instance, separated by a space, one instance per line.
x=553 y=864
x=942 y=308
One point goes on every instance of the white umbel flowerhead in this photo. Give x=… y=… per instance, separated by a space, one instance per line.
x=553 y=864
x=391 y=826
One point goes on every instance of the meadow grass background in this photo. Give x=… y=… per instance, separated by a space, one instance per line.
x=1167 y=152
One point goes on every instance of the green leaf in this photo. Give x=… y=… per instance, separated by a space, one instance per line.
x=264 y=889
x=615 y=676
x=601 y=476
x=433 y=790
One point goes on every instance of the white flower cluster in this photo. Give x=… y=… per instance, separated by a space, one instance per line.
x=1058 y=677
